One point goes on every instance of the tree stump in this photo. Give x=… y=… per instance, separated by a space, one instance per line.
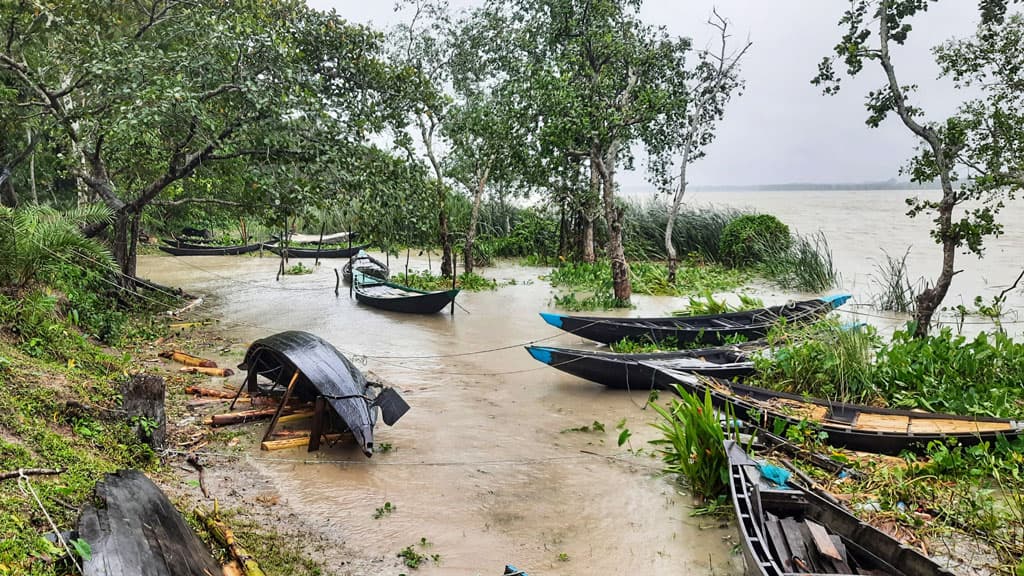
x=144 y=404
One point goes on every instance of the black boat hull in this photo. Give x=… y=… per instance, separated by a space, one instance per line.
x=429 y=303
x=323 y=371
x=212 y=250
x=841 y=420
x=713 y=330
x=873 y=549
x=626 y=372
x=366 y=265
x=294 y=252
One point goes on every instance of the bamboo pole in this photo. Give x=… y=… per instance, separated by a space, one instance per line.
x=226 y=538
x=222 y=372
x=187 y=359
x=297 y=442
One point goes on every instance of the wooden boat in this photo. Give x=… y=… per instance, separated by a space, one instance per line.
x=789 y=530
x=634 y=371
x=212 y=250
x=397 y=298
x=366 y=265
x=852 y=426
x=294 y=252
x=711 y=329
x=333 y=238
x=132 y=528
x=311 y=367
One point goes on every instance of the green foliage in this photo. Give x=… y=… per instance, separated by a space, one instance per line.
x=646 y=277
x=414 y=559
x=896 y=292
x=751 y=238
x=37 y=241
x=805 y=264
x=943 y=372
x=692 y=442
x=425 y=280
x=599 y=301
x=697 y=231
x=705 y=304
x=297 y=270
x=950 y=373
x=384 y=510
x=826 y=360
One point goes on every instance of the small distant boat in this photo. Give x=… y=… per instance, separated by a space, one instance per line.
x=397 y=298
x=366 y=265
x=294 y=252
x=712 y=329
x=211 y=250
x=785 y=530
x=636 y=372
x=852 y=426
x=320 y=370
x=334 y=238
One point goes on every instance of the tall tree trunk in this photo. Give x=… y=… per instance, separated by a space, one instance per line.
x=929 y=300
x=587 y=241
x=563 y=232
x=613 y=214
x=8 y=195
x=474 y=218
x=32 y=171
x=125 y=243
x=443 y=233
x=677 y=200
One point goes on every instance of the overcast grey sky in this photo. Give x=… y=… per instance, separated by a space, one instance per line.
x=782 y=129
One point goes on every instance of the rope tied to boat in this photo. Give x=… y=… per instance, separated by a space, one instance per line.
x=26 y=488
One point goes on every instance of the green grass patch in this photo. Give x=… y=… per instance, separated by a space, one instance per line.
x=425 y=280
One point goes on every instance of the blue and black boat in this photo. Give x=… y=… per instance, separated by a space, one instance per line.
x=711 y=329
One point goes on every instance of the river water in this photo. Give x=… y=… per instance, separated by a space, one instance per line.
x=484 y=466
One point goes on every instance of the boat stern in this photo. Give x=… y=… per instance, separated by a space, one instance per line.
x=836 y=300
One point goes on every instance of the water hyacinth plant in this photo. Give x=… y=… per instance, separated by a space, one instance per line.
x=692 y=442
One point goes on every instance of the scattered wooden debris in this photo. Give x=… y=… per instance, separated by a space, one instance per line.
x=187 y=359
x=226 y=538
x=186 y=308
x=210 y=393
x=194 y=461
x=296 y=442
x=30 y=472
x=222 y=372
x=186 y=325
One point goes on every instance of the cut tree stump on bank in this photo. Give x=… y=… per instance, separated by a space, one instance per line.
x=144 y=405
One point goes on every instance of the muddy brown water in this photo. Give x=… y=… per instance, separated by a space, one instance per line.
x=483 y=466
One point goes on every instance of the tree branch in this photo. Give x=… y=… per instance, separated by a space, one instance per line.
x=179 y=202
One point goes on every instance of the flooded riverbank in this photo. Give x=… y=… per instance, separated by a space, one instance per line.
x=484 y=466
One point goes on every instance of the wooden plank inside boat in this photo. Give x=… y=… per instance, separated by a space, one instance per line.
x=943 y=425
x=882 y=423
x=797 y=409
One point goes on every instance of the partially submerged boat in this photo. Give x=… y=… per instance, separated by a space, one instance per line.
x=332 y=238
x=852 y=426
x=636 y=371
x=308 y=368
x=711 y=329
x=205 y=250
x=366 y=265
x=788 y=530
x=398 y=298
x=300 y=252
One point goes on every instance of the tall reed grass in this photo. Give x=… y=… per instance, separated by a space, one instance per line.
x=806 y=264
x=896 y=292
x=697 y=230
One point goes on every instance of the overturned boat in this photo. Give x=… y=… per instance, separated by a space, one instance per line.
x=788 y=530
x=307 y=368
x=711 y=329
x=636 y=371
x=852 y=426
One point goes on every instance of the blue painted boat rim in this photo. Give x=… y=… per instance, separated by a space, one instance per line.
x=540 y=353
x=553 y=319
x=837 y=300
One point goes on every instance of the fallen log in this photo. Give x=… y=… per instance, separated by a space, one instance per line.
x=209 y=392
x=223 y=372
x=187 y=359
x=249 y=416
x=226 y=538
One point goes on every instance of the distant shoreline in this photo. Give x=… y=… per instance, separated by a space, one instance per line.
x=796 y=187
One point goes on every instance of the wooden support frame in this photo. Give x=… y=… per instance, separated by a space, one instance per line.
x=319 y=415
x=280 y=407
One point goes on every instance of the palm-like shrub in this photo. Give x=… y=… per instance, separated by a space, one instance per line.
x=35 y=241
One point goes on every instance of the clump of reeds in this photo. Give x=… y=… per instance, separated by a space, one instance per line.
x=806 y=264
x=896 y=292
x=697 y=230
